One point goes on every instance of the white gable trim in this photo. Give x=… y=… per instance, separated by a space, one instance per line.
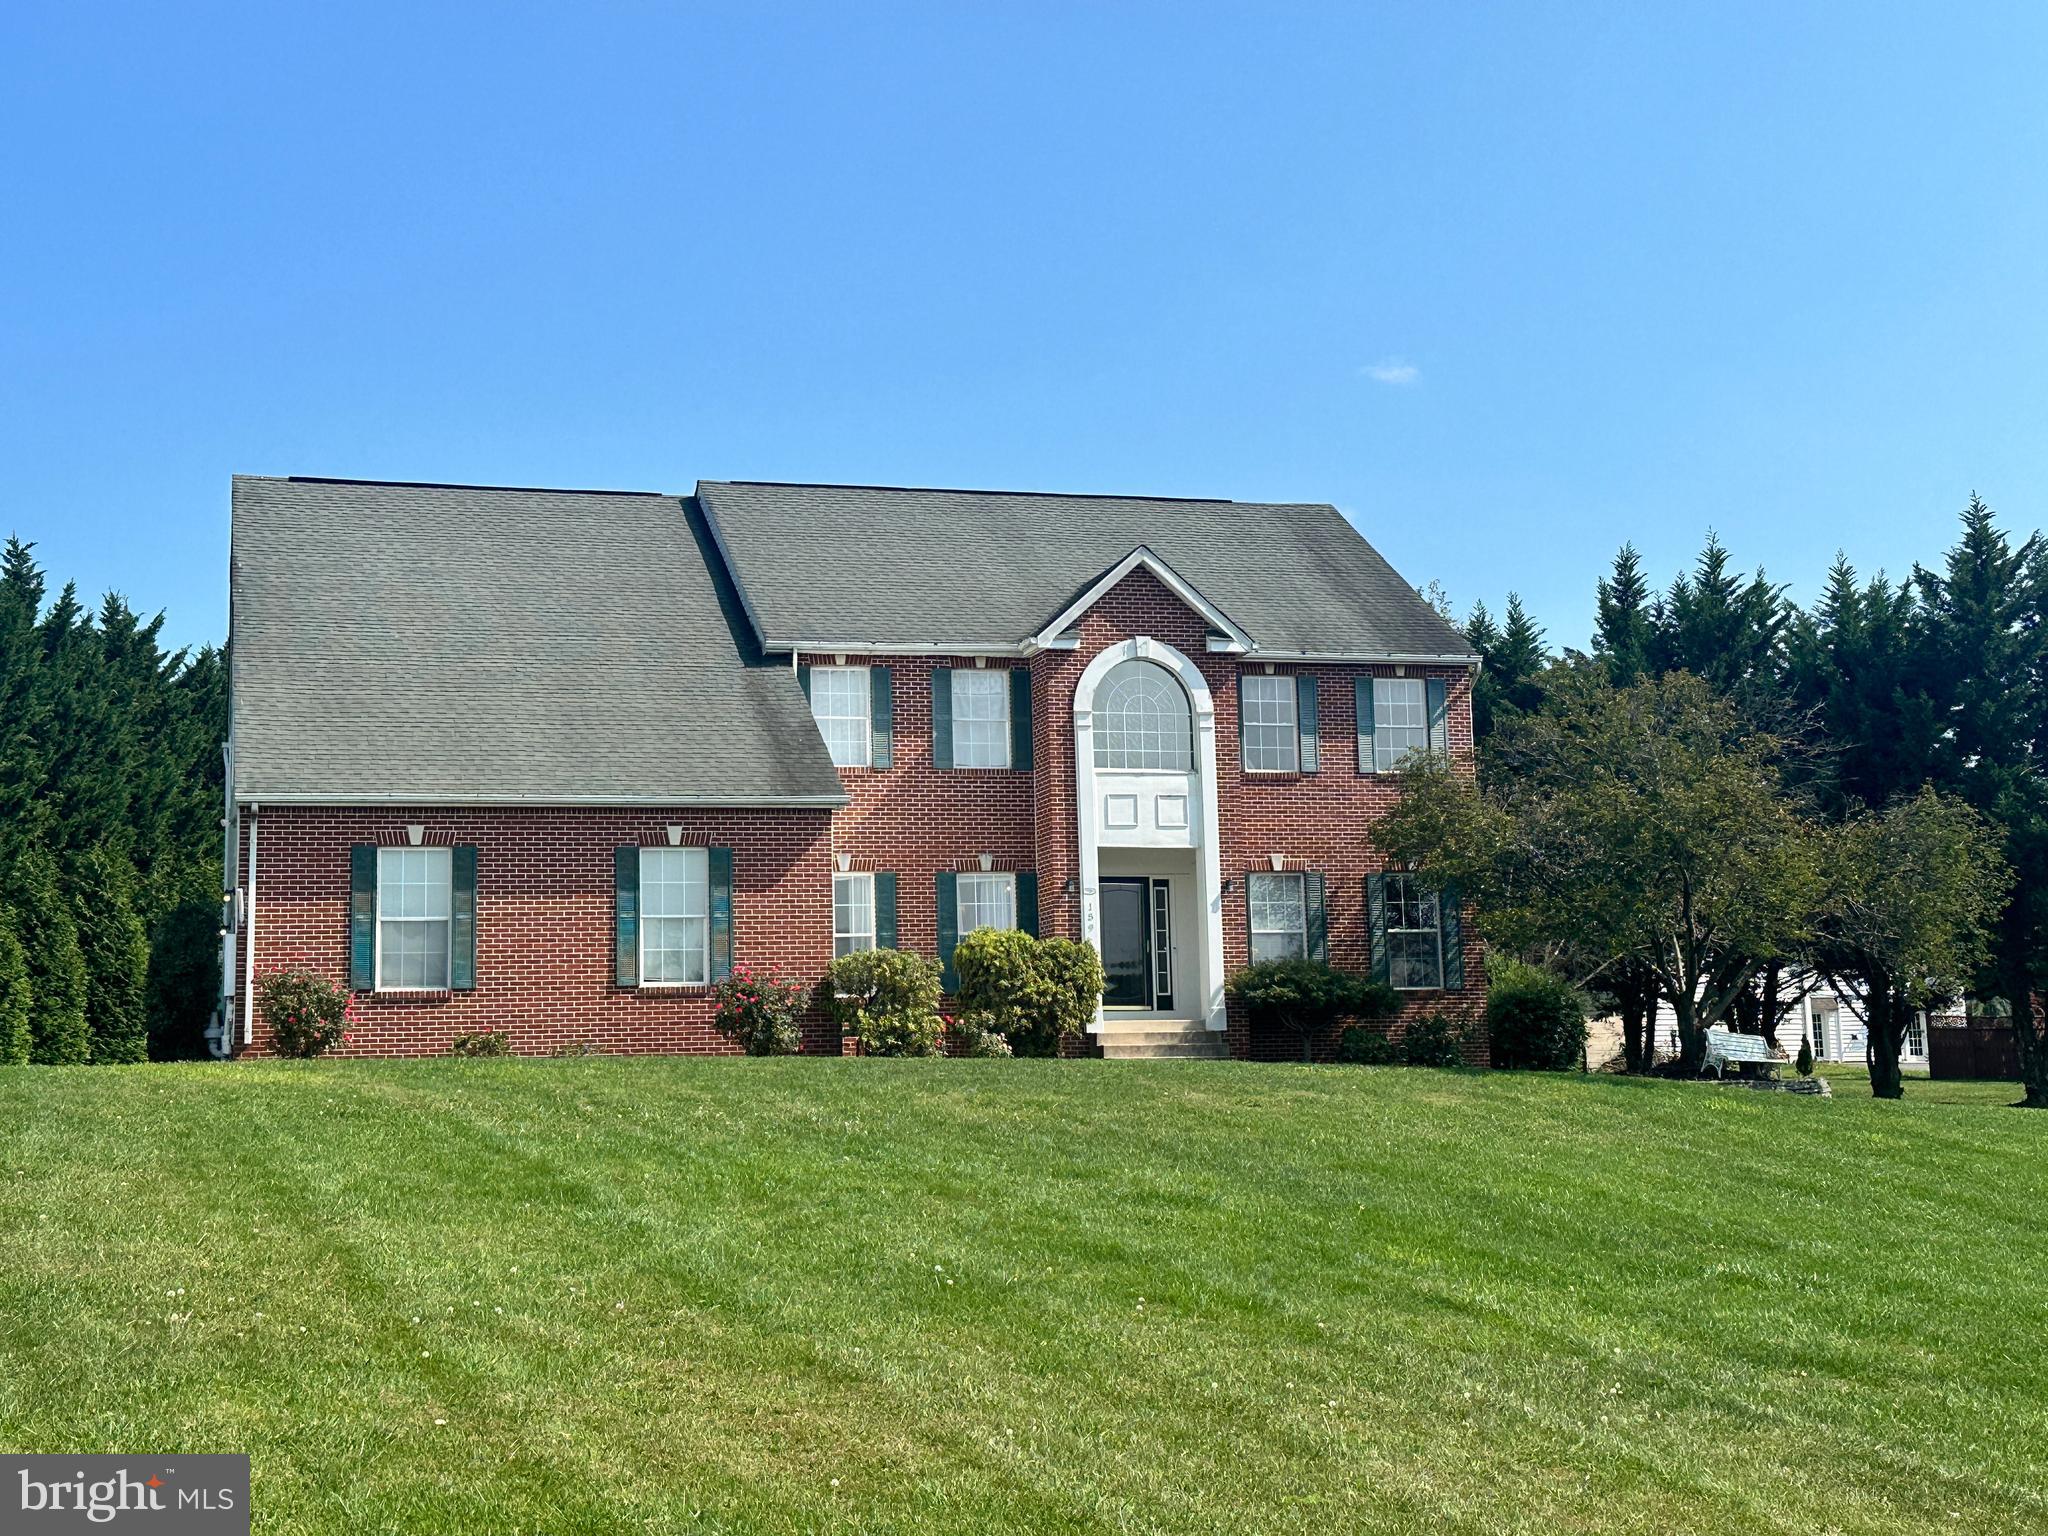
x=1049 y=638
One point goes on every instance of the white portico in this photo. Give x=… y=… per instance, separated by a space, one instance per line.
x=1150 y=839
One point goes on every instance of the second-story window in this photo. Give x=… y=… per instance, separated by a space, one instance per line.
x=839 y=703
x=981 y=718
x=1400 y=721
x=1268 y=724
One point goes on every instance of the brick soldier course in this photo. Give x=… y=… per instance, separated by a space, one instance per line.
x=540 y=679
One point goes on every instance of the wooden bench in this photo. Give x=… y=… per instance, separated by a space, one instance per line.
x=1745 y=1053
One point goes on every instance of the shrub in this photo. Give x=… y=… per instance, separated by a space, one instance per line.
x=115 y=949
x=1805 y=1062
x=481 y=1042
x=1033 y=992
x=15 y=1000
x=307 y=1013
x=1432 y=1041
x=1360 y=1046
x=760 y=1009
x=184 y=978
x=56 y=968
x=1535 y=1019
x=1306 y=997
x=887 y=999
x=972 y=1037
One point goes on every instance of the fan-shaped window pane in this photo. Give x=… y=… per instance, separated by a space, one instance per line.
x=1142 y=719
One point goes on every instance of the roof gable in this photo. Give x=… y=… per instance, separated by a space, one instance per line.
x=1053 y=635
x=881 y=569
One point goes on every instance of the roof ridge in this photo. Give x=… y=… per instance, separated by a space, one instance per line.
x=966 y=490
x=463 y=485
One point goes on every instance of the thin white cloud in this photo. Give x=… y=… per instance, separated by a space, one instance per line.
x=1392 y=370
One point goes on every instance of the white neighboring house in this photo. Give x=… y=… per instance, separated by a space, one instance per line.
x=1832 y=1021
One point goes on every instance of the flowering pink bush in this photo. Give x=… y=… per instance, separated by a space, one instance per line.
x=308 y=1013
x=760 y=1009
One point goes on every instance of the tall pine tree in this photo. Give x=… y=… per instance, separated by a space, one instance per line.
x=115 y=948
x=1624 y=634
x=16 y=1000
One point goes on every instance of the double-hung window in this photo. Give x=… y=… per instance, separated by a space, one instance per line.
x=675 y=916
x=1268 y=724
x=1279 y=916
x=839 y=703
x=1400 y=721
x=413 y=899
x=1415 y=935
x=981 y=718
x=986 y=901
x=853 y=914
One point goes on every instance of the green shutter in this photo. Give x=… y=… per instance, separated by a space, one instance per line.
x=882 y=716
x=1020 y=718
x=1449 y=907
x=1318 y=917
x=1027 y=901
x=885 y=909
x=462 y=919
x=721 y=913
x=1376 y=915
x=362 y=917
x=942 y=717
x=1306 y=723
x=803 y=680
x=1439 y=725
x=1362 y=689
x=949 y=928
x=626 y=916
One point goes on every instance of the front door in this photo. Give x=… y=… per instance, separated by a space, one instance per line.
x=1127 y=943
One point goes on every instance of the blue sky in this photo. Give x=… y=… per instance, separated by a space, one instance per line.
x=1507 y=284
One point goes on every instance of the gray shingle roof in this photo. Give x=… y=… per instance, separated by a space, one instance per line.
x=473 y=645
x=838 y=566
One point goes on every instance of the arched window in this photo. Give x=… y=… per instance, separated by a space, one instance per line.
x=1142 y=719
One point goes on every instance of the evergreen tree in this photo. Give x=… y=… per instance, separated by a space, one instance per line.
x=56 y=967
x=1625 y=631
x=115 y=948
x=1727 y=630
x=1981 y=637
x=1512 y=659
x=23 y=769
x=15 y=998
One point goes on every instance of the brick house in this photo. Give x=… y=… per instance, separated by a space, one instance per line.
x=551 y=762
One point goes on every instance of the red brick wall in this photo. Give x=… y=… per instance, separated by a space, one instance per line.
x=544 y=921
x=544 y=935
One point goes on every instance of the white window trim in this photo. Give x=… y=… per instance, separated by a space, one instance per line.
x=1438 y=985
x=1293 y=693
x=641 y=924
x=1002 y=691
x=1427 y=747
x=1003 y=878
x=866 y=715
x=869 y=935
x=377 y=933
x=1300 y=884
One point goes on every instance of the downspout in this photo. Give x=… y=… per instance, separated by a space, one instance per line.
x=248 y=1013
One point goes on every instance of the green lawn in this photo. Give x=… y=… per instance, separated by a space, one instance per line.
x=668 y=1296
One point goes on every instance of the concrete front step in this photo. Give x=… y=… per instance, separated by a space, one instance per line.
x=1162 y=1039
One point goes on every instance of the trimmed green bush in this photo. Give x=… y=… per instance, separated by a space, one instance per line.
x=1307 y=997
x=1805 y=1062
x=115 y=949
x=1432 y=1041
x=887 y=999
x=56 y=968
x=1535 y=1020
x=481 y=1042
x=1033 y=992
x=308 y=1013
x=760 y=1009
x=1362 y=1046
x=16 y=1002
